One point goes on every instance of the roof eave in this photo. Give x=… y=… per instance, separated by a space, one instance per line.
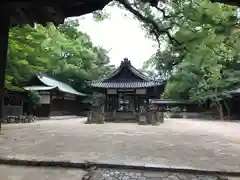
x=73 y=93
x=40 y=76
x=125 y=87
x=90 y=6
x=39 y=88
x=24 y=12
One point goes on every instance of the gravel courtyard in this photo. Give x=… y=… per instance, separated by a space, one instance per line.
x=177 y=142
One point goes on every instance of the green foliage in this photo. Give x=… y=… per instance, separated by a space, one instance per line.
x=33 y=98
x=198 y=47
x=100 y=15
x=63 y=52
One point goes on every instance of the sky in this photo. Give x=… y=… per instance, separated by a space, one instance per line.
x=120 y=34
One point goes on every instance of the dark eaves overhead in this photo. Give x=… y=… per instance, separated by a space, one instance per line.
x=29 y=12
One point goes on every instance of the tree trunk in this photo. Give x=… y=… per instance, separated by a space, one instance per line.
x=228 y=109
x=220 y=110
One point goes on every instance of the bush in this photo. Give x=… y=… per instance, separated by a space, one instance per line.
x=33 y=98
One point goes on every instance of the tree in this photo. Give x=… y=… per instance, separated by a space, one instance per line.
x=63 y=52
x=198 y=47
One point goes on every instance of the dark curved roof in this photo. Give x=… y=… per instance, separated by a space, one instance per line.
x=29 y=12
x=126 y=76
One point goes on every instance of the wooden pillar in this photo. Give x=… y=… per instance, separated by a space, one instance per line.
x=106 y=101
x=138 y=103
x=5 y=21
x=50 y=103
x=135 y=103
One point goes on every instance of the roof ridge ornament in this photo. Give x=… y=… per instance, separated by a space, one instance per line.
x=125 y=62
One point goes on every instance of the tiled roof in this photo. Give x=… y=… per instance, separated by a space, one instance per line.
x=50 y=83
x=60 y=85
x=112 y=81
x=125 y=84
x=127 y=63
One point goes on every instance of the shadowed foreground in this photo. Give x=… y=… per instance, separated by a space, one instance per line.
x=29 y=173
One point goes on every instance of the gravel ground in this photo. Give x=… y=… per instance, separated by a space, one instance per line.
x=177 y=142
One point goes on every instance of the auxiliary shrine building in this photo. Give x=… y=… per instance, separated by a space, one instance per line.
x=127 y=91
x=56 y=98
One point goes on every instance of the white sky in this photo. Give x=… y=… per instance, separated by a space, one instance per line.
x=120 y=34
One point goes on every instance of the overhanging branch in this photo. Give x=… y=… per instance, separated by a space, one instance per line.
x=156 y=29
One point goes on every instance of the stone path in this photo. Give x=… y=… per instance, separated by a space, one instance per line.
x=30 y=173
x=113 y=174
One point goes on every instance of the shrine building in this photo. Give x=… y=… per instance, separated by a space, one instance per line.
x=127 y=91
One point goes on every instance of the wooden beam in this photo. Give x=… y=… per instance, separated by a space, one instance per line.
x=5 y=21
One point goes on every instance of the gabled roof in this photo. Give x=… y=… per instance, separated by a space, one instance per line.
x=50 y=83
x=127 y=64
x=126 y=76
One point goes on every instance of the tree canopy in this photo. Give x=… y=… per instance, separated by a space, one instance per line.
x=198 y=46
x=62 y=52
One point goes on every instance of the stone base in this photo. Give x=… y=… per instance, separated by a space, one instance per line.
x=160 y=117
x=95 y=117
x=155 y=118
x=141 y=119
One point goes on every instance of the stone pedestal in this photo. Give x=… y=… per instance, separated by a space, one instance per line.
x=142 y=119
x=96 y=115
x=155 y=117
x=151 y=117
x=159 y=118
x=30 y=118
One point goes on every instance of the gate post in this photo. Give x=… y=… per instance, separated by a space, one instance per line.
x=4 y=30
